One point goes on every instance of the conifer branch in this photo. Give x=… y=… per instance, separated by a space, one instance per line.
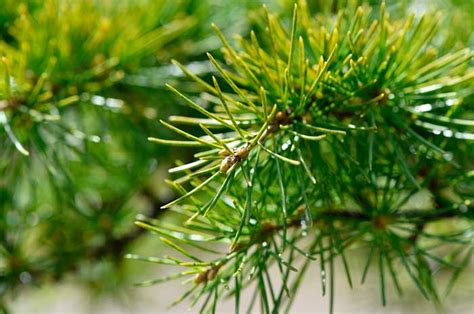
x=358 y=109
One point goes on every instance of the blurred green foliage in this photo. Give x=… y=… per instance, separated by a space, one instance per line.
x=75 y=164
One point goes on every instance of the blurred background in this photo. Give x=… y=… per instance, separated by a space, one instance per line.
x=81 y=89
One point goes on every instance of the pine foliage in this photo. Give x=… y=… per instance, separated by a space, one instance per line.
x=333 y=127
x=314 y=138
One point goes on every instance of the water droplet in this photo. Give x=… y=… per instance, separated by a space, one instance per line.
x=448 y=133
x=95 y=138
x=25 y=277
x=323 y=277
x=98 y=100
x=423 y=108
x=286 y=145
x=114 y=103
x=452 y=102
x=448 y=156
x=304 y=228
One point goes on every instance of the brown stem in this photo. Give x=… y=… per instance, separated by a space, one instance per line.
x=419 y=217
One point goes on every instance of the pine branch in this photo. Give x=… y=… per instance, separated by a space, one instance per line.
x=306 y=123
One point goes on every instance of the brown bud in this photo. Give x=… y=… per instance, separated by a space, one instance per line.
x=242 y=152
x=212 y=273
x=200 y=278
x=227 y=163
x=280 y=116
x=283 y=117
